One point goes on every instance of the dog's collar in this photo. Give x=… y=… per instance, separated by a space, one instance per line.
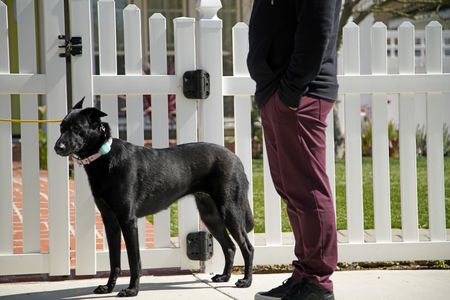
x=104 y=149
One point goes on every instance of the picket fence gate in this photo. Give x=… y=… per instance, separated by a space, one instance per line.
x=198 y=45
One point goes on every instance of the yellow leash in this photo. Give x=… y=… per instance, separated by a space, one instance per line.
x=29 y=121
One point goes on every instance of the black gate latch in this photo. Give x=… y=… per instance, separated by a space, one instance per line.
x=71 y=47
x=196 y=84
x=199 y=245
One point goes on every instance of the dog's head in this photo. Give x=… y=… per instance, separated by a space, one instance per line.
x=82 y=131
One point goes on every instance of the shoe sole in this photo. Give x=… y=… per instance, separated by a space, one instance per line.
x=262 y=297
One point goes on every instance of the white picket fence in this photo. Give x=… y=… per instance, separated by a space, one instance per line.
x=198 y=45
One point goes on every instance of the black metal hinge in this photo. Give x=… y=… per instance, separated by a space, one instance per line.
x=196 y=84
x=72 y=46
x=200 y=245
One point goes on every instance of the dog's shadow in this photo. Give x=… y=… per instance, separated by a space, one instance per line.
x=84 y=293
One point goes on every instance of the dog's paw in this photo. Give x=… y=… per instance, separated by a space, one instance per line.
x=221 y=278
x=103 y=289
x=128 y=293
x=243 y=283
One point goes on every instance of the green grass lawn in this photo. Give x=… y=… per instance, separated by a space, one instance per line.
x=258 y=196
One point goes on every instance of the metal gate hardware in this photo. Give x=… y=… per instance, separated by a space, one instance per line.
x=196 y=84
x=72 y=47
x=199 y=245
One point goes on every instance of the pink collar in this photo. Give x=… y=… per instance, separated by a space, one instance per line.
x=106 y=147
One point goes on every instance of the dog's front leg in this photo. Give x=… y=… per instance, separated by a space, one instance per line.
x=112 y=229
x=130 y=234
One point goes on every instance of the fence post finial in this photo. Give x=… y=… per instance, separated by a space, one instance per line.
x=208 y=9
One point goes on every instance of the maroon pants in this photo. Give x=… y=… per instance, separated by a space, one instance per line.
x=295 y=142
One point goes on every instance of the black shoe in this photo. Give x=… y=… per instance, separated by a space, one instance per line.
x=305 y=290
x=275 y=293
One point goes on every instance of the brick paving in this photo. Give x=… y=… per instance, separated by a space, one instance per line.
x=18 y=220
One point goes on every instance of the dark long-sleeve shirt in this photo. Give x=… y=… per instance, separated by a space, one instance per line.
x=293 y=49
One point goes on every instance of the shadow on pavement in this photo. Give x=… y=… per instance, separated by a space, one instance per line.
x=84 y=293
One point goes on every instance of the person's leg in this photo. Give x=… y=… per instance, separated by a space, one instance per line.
x=300 y=137
x=270 y=141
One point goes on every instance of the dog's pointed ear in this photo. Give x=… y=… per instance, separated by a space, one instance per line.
x=94 y=113
x=79 y=105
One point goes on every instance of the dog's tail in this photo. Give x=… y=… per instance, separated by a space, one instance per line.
x=248 y=217
x=249 y=223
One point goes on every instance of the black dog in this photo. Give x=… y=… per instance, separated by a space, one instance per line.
x=129 y=182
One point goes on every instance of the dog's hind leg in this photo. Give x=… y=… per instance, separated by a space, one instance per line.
x=130 y=235
x=215 y=224
x=239 y=234
x=112 y=229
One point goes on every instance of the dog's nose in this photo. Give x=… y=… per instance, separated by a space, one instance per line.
x=60 y=147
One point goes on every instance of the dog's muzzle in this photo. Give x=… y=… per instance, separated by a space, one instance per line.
x=61 y=148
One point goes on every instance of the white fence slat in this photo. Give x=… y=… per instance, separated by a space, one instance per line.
x=272 y=205
x=351 y=49
x=22 y=84
x=433 y=52
x=160 y=115
x=185 y=59
x=6 y=185
x=394 y=83
x=407 y=138
x=379 y=48
x=236 y=85
x=380 y=140
x=107 y=48
x=133 y=65
x=58 y=171
x=243 y=108
x=161 y=222
x=150 y=259
x=348 y=84
x=29 y=131
x=210 y=110
x=240 y=49
x=242 y=129
x=406 y=42
x=209 y=46
x=135 y=84
x=158 y=66
x=330 y=159
x=28 y=263
x=85 y=219
x=108 y=59
x=356 y=84
x=353 y=160
x=435 y=124
x=395 y=251
x=80 y=17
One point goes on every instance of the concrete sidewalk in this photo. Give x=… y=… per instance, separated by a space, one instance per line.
x=349 y=285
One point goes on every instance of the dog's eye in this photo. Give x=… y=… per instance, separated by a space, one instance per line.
x=76 y=128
